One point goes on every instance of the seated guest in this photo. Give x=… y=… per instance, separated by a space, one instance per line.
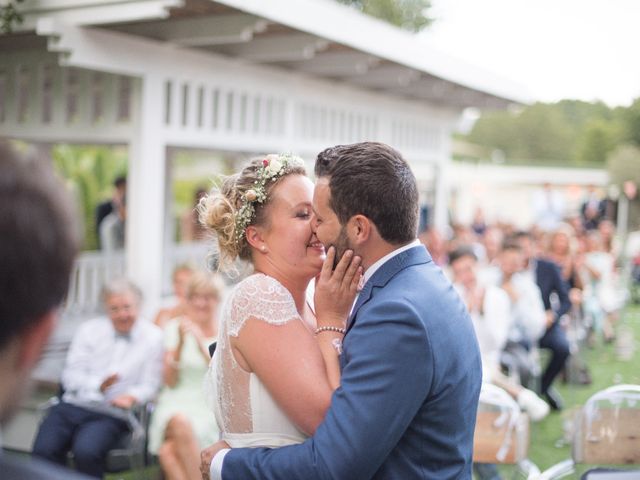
x=549 y=280
x=492 y=242
x=490 y=310
x=113 y=363
x=182 y=423
x=527 y=311
x=603 y=298
x=180 y=278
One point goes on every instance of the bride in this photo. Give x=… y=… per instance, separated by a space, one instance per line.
x=276 y=366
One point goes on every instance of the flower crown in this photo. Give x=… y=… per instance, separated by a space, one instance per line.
x=273 y=167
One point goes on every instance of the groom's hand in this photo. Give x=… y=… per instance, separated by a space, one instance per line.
x=206 y=456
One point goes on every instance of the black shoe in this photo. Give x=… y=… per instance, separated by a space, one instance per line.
x=554 y=399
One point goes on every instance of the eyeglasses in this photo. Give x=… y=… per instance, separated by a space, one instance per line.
x=115 y=309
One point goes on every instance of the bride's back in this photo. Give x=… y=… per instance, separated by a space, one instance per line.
x=246 y=413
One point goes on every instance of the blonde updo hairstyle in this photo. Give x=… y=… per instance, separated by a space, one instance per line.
x=218 y=210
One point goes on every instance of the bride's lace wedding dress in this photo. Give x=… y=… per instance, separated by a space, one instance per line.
x=245 y=411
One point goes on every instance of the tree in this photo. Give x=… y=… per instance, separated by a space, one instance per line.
x=631 y=118
x=9 y=15
x=624 y=164
x=569 y=131
x=596 y=141
x=89 y=171
x=407 y=14
x=542 y=133
x=495 y=130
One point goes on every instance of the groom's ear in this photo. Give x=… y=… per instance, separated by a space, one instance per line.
x=360 y=227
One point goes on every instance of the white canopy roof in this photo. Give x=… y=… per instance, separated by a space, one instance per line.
x=321 y=38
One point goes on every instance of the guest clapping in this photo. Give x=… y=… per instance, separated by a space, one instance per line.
x=182 y=422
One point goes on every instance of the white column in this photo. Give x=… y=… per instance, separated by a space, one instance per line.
x=146 y=192
x=442 y=182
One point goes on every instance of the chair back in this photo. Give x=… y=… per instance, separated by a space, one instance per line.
x=608 y=428
x=502 y=429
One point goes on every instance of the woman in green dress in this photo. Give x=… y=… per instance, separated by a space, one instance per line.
x=182 y=423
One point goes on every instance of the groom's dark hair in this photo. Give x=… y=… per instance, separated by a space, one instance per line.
x=372 y=179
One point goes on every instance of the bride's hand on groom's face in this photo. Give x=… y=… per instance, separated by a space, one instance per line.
x=206 y=456
x=336 y=289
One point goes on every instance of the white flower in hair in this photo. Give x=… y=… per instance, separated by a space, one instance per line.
x=274 y=166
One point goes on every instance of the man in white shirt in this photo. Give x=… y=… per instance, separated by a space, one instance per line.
x=113 y=364
x=527 y=310
x=490 y=310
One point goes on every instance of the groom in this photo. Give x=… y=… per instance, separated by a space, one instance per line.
x=411 y=372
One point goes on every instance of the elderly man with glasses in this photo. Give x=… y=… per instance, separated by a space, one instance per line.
x=114 y=363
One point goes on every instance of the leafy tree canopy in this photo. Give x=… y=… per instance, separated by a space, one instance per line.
x=569 y=131
x=407 y=14
x=9 y=15
x=624 y=164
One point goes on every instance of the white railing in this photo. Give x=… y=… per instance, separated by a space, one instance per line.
x=93 y=269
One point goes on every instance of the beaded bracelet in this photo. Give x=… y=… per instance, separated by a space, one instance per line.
x=330 y=328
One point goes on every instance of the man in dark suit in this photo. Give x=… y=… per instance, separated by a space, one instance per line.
x=112 y=205
x=38 y=244
x=410 y=363
x=549 y=280
x=592 y=209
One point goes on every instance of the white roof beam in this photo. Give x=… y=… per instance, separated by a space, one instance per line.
x=202 y=31
x=339 y=64
x=277 y=48
x=94 y=12
x=442 y=91
x=388 y=77
x=431 y=88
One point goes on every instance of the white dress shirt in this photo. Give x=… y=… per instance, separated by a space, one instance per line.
x=215 y=470
x=492 y=325
x=97 y=351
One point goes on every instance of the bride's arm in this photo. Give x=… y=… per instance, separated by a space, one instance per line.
x=287 y=360
x=334 y=295
x=285 y=356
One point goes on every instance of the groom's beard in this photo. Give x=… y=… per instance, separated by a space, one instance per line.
x=341 y=245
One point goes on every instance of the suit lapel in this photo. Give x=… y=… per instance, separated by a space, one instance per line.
x=386 y=272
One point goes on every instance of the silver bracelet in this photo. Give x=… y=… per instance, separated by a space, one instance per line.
x=331 y=328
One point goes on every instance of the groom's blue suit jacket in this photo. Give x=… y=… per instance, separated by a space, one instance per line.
x=411 y=375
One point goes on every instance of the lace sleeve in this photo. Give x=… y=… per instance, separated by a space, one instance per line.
x=263 y=298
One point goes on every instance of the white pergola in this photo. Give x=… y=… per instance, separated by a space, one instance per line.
x=229 y=75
